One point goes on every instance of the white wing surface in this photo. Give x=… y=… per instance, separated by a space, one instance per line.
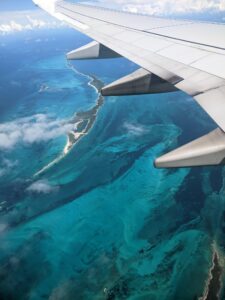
x=173 y=54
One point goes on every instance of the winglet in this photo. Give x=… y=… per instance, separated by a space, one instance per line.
x=207 y=150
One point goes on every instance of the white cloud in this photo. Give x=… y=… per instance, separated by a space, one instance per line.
x=6 y=166
x=165 y=7
x=11 y=22
x=3 y=227
x=42 y=187
x=2 y=172
x=135 y=129
x=34 y=129
x=15 y=83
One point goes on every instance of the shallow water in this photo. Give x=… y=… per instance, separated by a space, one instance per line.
x=102 y=223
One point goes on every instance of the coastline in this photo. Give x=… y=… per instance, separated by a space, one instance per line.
x=82 y=121
x=214 y=281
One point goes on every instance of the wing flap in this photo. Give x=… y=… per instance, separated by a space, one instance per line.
x=92 y=50
x=207 y=150
x=136 y=83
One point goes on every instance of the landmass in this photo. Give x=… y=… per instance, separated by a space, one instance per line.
x=84 y=121
x=214 y=282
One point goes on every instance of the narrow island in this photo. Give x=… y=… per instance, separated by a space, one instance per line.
x=84 y=121
x=214 y=281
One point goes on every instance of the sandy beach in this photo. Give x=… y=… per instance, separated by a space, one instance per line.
x=82 y=121
x=213 y=283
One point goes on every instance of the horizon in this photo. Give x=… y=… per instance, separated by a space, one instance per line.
x=13 y=20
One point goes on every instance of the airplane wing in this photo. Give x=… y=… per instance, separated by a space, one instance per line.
x=172 y=54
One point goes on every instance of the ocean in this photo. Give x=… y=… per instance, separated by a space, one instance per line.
x=100 y=222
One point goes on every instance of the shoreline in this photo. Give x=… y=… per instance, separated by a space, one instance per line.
x=214 y=282
x=83 y=121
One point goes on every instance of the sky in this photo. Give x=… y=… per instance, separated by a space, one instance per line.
x=22 y=15
x=150 y=6
x=163 y=7
x=6 y=5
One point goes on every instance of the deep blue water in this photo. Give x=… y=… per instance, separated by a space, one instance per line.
x=101 y=223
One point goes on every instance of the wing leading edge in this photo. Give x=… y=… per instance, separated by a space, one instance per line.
x=172 y=55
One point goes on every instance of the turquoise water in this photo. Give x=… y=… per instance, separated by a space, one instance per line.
x=101 y=223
